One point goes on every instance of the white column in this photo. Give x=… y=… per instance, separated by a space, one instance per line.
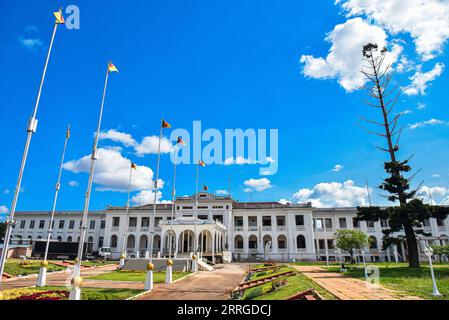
x=213 y=247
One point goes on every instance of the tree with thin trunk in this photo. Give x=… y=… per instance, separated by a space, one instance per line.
x=350 y=240
x=406 y=220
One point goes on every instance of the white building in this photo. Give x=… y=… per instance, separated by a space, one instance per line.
x=259 y=230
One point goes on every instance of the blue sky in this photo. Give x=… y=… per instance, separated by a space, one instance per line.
x=229 y=64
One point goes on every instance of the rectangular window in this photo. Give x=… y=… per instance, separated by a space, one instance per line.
x=72 y=224
x=342 y=222
x=440 y=223
x=92 y=225
x=370 y=224
x=328 y=222
x=145 y=222
x=217 y=207
x=53 y=224
x=282 y=244
x=280 y=221
x=103 y=224
x=203 y=207
x=384 y=223
x=322 y=244
x=252 y=221
x=32 y=223
x=318 y=224
x=203 y=217
x=187 y=208
x=238 y=221
x=330 y=244
x=116 y=221
x=100 y=242
x=22 y=224
x=299 y=221
x=426 y=223
x=132 y=222
x=355 y=223
x=41 y=224
x=61 y=224
x=266 y=221
x=157 y=221
x=218 y=218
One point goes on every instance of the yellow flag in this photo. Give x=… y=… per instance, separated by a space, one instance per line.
x=59 y=17
x=112 y=68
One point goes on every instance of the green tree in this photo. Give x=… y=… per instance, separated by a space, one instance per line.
x=441 y=251
x=350 y=240
x=409 y=216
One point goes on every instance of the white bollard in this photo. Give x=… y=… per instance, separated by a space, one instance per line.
x=75 y=293
x=169 y=275
x=42 y=278
x=194 y=264
x=149 y=278
x=147 y=255
x=122 y=261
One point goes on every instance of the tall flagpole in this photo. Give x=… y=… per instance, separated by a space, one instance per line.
x=170 y=238
x=156 y=189
x=196 y=209
x=31 y=129
x=41 y=281
x=75 y=293
x=128 y=205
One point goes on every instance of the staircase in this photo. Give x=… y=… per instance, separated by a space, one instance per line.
x=203 y=266
x=160 y=265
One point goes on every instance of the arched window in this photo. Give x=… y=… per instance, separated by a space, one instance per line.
x=143 y=243
x=69 y=239
x=131 y=244
x=282 y=242
x=373 y=242
x=267 y=240
x=114 y=241
x=252 y=242
x=238 y=242
x=90 y=240
x=301 y=242
x=60 y=239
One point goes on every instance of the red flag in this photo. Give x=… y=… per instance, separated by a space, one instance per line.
x=165 y=125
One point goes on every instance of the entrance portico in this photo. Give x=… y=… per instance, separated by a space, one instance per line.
x=185 y=236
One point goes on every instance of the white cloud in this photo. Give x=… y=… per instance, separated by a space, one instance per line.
x=6 y=191
x=3 y=210
x=150 y=145
x=112 y=171
x=222 y=192
x=337 y=168
x=74 y=184
x=345 y=59
x=434 y=195
x=431 y=122
x=242 y=161
x=146 y=197
x=333 y=194
x=31 y=43
x=436 y=175
x=284 y=201
x=116 y=136
x=258 y=185
x=426 y=21
x=421 y=106
x=420 y=80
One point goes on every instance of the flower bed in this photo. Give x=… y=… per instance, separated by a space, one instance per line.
x=33 y=294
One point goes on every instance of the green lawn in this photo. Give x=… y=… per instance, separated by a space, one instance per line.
x=86 y=293
x=95 y=263
x=295 y=284
x=159 y=277
x=27 y=267
x=415 y=282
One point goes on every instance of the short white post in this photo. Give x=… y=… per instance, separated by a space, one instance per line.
x=147 y=255
x=364 y=263
x=75 y=293
x=194 y=264
x=42 y=278
x=149 y=277
x=396 y=254
x=429 y=254
x=169 y=272
x=122 y=261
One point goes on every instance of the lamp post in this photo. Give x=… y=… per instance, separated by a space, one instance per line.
x=396 y=255
x=364 y=262
x=429 y=253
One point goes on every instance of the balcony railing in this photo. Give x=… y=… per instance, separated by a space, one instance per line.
x=300 y=228
x=267 y=228
x=252 y=228
x=238 y=228
x=281 y=228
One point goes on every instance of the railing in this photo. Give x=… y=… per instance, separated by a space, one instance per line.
x=267 y=228
x=371 y=229
x=442 y=228
x=253 y=250
x=300 y=228
x=238 y=228
x=144 y=229
x=281 y=228
x=253 y=228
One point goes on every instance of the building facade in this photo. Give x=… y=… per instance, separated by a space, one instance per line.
x=224 y=229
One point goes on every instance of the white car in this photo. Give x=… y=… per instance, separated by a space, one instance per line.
x=105 y=253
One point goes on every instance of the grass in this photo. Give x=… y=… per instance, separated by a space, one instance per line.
x=295 y=284
x=159 y=277
x=86 y=293
x=412 y=281
x=27 y=267
x=94 y=263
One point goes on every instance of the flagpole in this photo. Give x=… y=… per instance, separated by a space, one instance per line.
x=128 y=204
x=75 y=293
x=170 y=238
x=41 y=280
x=31 y=129
x=196 y=209
x=156 y=188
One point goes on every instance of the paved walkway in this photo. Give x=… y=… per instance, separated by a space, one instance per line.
x=346 y=288
x=203 y=285
x=58 y=279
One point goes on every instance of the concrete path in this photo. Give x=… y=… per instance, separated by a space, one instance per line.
x=55 y=279
x=203 y=285
x=346 y=288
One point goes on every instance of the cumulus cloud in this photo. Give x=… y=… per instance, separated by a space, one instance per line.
x=431 y=122
x=421 y=106
x=338 y=168
x=6 y=191
x=258 y=185
x=284 y=201
x=333 y=194
x=112 y=171
x=149 y=145
x=425 y=21
x=345 y=59
x=30 y=39
x=421 y=80
x=222 y=192
x=242 y=161
x=4 y=210
x=146 y=197
x=434 y=195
